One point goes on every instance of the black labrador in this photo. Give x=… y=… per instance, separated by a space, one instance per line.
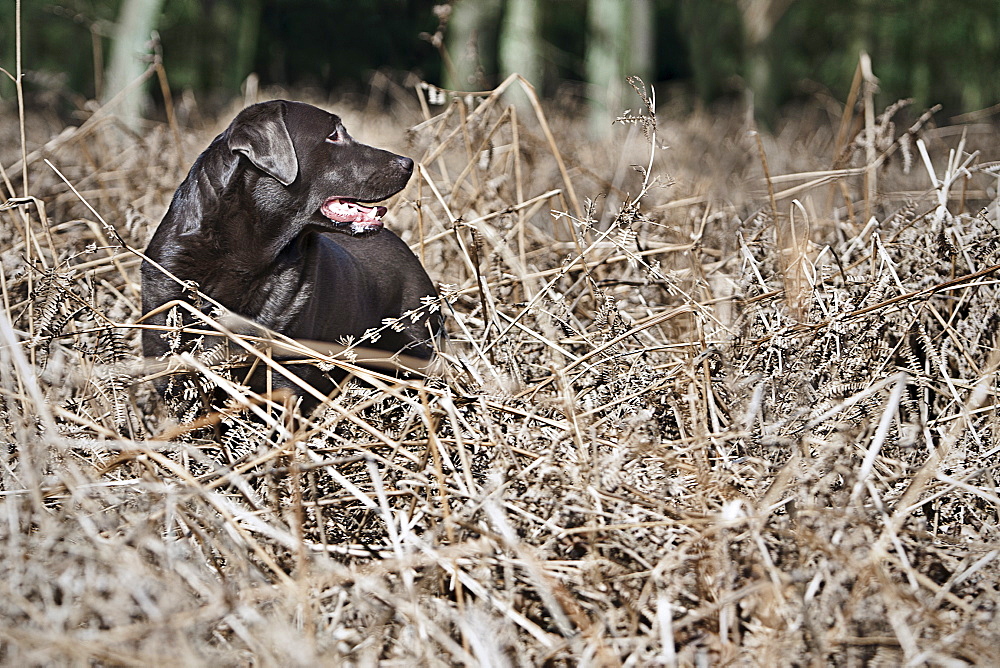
x=276 y=221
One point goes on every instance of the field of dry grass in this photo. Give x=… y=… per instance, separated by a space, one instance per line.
x=713 y=397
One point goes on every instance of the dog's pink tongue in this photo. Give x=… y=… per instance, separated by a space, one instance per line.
x=346 y=211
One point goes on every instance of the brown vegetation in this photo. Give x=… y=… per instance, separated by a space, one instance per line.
x=730 y=401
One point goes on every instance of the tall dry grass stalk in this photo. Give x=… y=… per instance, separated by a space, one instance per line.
x=709 y=413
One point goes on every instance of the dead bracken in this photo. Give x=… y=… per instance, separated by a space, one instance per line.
x=733 y=405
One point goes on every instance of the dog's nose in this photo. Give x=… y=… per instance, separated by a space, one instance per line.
x=405 y=164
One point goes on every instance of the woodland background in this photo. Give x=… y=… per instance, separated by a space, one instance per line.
x=576 y=51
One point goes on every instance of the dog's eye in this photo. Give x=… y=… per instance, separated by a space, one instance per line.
x=335 y=136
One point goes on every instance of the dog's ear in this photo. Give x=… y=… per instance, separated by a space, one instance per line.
x=260 y=133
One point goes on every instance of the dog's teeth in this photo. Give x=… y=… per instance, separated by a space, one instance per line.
x=347 y=211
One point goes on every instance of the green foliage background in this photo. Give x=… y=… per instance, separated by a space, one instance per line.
x=933 y=50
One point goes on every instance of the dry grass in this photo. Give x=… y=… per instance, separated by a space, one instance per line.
x=702 y=417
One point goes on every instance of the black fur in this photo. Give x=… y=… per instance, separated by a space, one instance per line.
x=246 y=226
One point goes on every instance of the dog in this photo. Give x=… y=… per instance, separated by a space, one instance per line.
x=278 y=222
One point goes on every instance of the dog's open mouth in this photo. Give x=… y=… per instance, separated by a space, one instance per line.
x=361 y=218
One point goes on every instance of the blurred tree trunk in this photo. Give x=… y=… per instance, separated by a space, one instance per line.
x=472 y=43
x=136 y=21
x=642 y=52
x=758 y=19
x=519 y=44
x=248 y=31
x=608 y=42
x=620 y=43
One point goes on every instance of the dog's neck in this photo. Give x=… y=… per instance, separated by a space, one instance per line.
x=216 y=185
x=233 y=263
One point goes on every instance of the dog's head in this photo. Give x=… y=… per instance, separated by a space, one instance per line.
x=318 y=173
